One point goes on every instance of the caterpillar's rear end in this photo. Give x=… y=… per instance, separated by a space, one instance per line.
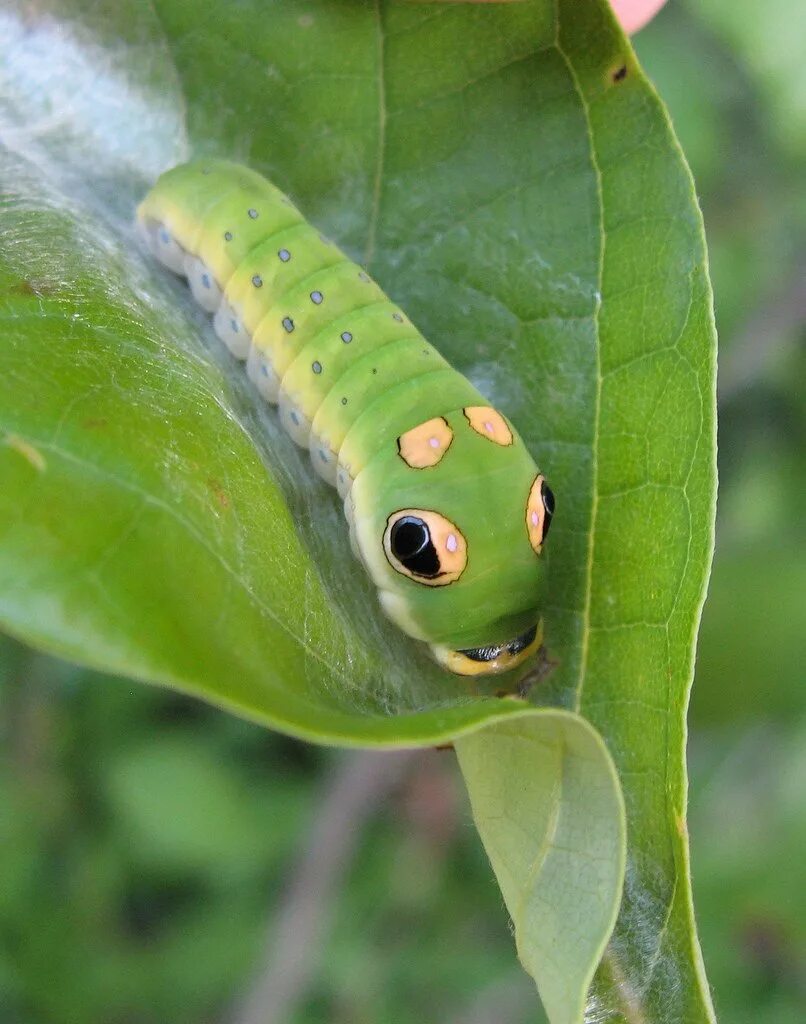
x=446 y=508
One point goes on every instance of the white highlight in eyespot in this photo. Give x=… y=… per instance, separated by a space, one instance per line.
x=535 y=519
x=451 y=543
x=434 y=442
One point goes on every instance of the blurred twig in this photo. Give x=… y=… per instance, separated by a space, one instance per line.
x=767 y=334
x=509 y=1000
x=356 y=789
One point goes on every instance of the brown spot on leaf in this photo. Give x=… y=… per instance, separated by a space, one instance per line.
x=34 y=286
x=219 y=493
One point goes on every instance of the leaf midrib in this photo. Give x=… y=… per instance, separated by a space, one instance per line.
x=591 y=533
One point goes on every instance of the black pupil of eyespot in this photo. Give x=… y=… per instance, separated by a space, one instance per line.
x=547 y=495
x=412 y=547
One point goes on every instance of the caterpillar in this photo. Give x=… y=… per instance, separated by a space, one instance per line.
x=446 y=508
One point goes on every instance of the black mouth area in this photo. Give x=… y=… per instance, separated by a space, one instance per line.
x=515 y=646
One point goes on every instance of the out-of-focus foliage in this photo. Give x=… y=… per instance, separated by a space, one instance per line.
x=748 y=824
x=750 y=183
x=732 y=75
x=105 y=914
x=146 y=839
x=768 y=42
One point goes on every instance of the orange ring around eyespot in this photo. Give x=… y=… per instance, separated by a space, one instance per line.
x=536 y=514
x=448 y=541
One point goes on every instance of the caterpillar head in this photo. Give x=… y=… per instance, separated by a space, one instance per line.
x=450 y=525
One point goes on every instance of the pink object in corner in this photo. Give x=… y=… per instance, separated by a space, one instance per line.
x=634 y=14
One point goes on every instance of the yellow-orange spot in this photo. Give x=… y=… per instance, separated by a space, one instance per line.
x=536 y=514
x=424 y=446
x=449 y=544
x=488 y=423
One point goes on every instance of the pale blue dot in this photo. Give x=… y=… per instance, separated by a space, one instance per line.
x=322 y=455
x=234 y=325
x=288 y=324
x=398 y=317
x=316 y=366
x=346 y=337
x=294 y=418
x=206 y=280
x=264 y=370
x=316 y=297
x=164 y=236
x=284 y=255
x=252 y=213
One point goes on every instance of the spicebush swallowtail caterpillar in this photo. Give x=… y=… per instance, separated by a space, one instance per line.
x=446 y=508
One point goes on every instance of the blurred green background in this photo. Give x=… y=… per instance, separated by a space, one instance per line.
x=147 y=842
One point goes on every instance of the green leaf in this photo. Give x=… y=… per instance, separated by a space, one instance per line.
x=546 y=815
x=512 y=179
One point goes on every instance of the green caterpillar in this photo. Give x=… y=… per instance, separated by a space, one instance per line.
x=446 y=508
